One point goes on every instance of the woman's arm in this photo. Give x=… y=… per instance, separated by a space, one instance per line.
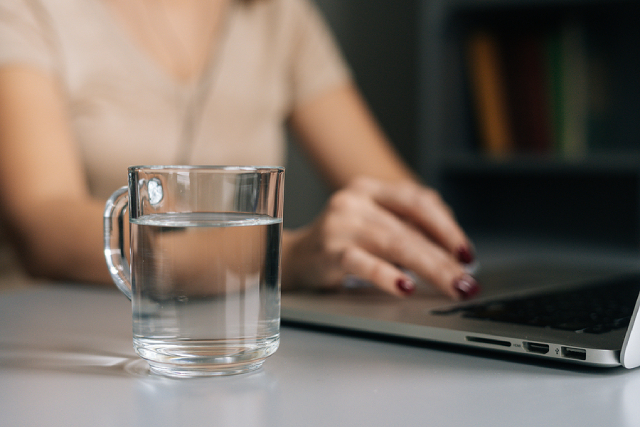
x=344 y=140
x=371 y=227
x=381 y=220
x=43 y=192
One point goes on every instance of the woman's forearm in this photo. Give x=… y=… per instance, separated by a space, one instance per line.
x=62 y=240
x=344 y=141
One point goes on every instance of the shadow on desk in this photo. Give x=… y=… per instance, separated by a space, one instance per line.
x=68 y=359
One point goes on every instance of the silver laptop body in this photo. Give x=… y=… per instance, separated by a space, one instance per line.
x=420 y=316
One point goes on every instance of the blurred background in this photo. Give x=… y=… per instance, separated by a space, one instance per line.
x=379 y=38
x=524 y=114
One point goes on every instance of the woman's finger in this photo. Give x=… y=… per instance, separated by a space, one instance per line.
x=400 y=243
x=424 y=208
x=382 y=274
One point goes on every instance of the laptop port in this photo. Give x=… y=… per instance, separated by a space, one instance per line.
x=534 y=347
x=489 y=341
x=574 y=353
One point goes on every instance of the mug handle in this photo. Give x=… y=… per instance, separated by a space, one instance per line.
x=114 y=243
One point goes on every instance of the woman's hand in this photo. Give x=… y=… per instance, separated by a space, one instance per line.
x=376 y=230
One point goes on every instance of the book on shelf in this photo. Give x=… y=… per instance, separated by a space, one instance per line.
x=532 y=90
x=489 y=93
x=529 y=92
x=572 y=136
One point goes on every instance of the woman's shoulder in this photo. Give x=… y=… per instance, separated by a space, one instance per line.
x=31 y=29
x=39 y=13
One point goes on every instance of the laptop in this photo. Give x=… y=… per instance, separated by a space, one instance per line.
x=582 y=314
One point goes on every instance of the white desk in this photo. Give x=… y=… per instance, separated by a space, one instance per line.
x=66 y=360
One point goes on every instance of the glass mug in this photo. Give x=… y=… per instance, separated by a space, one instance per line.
x=204 y=272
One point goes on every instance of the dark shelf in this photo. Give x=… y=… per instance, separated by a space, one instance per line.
x=591 y=198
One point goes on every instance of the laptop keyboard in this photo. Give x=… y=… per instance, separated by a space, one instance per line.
x=596 y=309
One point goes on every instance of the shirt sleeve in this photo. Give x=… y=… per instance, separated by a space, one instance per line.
x=317 y=62
x=25 y=34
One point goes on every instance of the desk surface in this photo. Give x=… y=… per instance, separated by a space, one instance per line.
x=66 y=360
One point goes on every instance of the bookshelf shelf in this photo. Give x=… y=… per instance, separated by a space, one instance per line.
x=571 y=166
x=606 y=162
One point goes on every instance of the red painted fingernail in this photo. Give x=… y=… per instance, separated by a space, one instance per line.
x=406 y=286
x=465 y=255
x=466 y=286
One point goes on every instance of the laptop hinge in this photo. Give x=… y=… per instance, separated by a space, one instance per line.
x=630 y=354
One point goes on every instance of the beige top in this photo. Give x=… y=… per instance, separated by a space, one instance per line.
x=126 y=110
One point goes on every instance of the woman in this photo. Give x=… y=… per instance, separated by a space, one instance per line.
x=89 y=87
